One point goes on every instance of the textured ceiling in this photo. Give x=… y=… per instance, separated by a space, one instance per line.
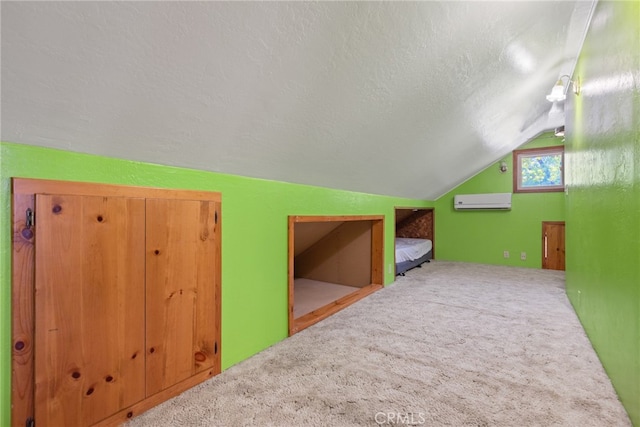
x=398 y=98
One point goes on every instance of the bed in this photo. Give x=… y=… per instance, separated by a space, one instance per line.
x=411 y=253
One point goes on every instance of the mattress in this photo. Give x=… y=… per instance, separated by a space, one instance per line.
x=409 y=249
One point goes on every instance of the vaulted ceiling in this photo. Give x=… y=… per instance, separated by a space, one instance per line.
x=398 y=98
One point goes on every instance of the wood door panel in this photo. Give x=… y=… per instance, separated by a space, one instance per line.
x=89 y=307
x=181 y=308
x=22 y=311
x=79 y=355
x=553 y=245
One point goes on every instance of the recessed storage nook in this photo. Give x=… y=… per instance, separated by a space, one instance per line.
x=116 y=299
x=415 y=243
x=334 y=261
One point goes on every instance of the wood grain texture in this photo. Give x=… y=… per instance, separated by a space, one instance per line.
x=207 y=327
x=217 y=292
x=24 y=293
x=377 y=252
x=323 y=218
x=290 y=273
x=553 y=245
x=89 y=300
x=22 y=296
x=181 y=278
x=124 y=415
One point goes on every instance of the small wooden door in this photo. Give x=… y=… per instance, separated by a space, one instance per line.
x=115 y=299
x=182 y=244
x=553 y=252
x=89 y=307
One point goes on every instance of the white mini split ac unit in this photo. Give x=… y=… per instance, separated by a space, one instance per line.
x=501 y=201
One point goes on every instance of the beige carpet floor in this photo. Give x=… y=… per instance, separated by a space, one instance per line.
x=451 y=344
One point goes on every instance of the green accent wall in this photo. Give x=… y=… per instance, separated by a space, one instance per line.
x=254 y=238
x=603 y=201
x=483 y=236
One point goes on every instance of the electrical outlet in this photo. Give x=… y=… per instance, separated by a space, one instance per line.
x=390 y=269
x=506 y=254
x=523 y=256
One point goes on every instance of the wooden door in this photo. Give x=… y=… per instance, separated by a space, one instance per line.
x=78 y=310
x=553 y=251
x=182 y=248
x=89 y=307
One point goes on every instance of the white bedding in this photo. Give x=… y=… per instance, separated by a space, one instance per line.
x=410 y=249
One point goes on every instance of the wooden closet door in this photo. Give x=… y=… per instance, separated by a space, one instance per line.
x=553 y=249
x=89 y=307
x=181 y=290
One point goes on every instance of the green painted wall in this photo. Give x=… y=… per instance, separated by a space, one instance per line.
x=483 y=236
x=603 y=202
x=254 y=239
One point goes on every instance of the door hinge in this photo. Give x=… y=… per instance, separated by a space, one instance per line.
x=30 y=422
x=30 y=218
x=215 y=217
x=215 y=348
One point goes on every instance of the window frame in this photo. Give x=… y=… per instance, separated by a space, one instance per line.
x=528 y=152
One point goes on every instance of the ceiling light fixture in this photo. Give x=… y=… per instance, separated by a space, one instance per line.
x=559 y=131
x=558 y=92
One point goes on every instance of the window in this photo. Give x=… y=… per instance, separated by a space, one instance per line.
x=538 y=170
